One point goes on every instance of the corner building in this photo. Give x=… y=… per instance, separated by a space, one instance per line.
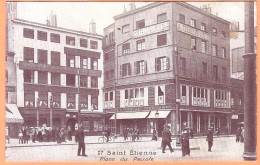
x=148 y=49
x=58 y=70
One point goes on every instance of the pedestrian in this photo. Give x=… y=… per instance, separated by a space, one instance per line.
x=69 y=134
x=7 y=134
x=107 y=133
x=191 y=133
x=242 y=135
x=166 y=139
x=137 y=133
x=80 y=139
x=125 y=133
x=20 y=135
x=185 y=144
x=238 y=134
x=33 y=134
x=217 y=132
x=39 y=135
x=24 y=134
x=133 y=135
x=154 y=137
x=209 y=139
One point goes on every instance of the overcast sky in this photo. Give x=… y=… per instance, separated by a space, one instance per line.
x=77 y=15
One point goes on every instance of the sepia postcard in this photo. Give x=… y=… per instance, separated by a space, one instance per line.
x=163 y=81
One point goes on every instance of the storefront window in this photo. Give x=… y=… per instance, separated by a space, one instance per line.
x=86 y=126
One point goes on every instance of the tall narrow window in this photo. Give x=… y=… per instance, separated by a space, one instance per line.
x=161 y=18
x=140 y=24
x=94 y=82
x=42 y=35
x=126 y=48
x=28 y=54
x=125 y=28
x=83 y=43
x=182 y=18
x=28 y=33
x=203 y=27
x=93 y=45
x=214 y=31
x=161 y=39
x=203 y=46
x=204 y=68
x=94 y=64
x=42 y=56
x=193 y=43
x=55 y=78
x=55 y=58
x=215 y=72
x=70 y=40
x=55 y=38
x=28 y=76
x=70 y=80
x=223 y=52
x=140 y=67
x=214 y=50
x=140 y=45
x=224 y=73
x=84 y=63
x=193 y=22
x=42 y=77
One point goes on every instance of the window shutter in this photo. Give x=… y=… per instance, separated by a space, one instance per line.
x=167 y=63
x=135 y=67
x=156 y=64
x=129 y=69
x=145 y=66
x=121 y=71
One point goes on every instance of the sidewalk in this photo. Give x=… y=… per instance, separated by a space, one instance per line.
x=89 y=140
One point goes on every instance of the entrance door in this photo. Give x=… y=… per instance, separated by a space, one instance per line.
x=71 y=123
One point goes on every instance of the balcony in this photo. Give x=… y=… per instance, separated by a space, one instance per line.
x=57 y=69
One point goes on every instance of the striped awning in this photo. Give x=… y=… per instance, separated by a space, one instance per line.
x=12 y=114
x=130 y=115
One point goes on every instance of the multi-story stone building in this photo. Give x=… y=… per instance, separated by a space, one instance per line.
x=58 y=72
x=159 y=53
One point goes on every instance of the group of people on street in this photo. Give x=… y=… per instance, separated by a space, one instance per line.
x=134 y=133
x=240 y=135
x=44 y=134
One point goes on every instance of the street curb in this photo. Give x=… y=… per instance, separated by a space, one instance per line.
x=42 y=145
x=55 y=144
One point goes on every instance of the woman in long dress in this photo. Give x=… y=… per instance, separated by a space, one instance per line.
x=185 y=144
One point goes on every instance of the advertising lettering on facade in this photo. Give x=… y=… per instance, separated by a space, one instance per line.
x=152 y=29
x=192 y=31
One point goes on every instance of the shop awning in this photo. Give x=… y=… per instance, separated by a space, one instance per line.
x=162 y=115
x=12 y=114
x=130 y=115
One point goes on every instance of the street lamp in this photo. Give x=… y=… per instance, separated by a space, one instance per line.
x=115 y=112
x=157 y=116
x=177 y=85
x=51 y=103
x=79 y=106
x=37 y=111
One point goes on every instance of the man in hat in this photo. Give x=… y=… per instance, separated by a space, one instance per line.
x=166 y=138
x=210 y=139
x=80 y=139
x=185 y=144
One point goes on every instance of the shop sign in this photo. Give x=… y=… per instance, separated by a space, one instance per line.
x=234 y=117
x=192 y=31
x=152 y=29
x=10 y=88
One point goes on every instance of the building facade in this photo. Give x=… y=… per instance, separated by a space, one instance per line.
x=58 y=73
x=162 y=55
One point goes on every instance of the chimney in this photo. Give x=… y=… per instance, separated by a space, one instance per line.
x=53 y=20
x=48 y=22
x=132 y=6
x=125 y=9
x=206 y=8
x=92 y=27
